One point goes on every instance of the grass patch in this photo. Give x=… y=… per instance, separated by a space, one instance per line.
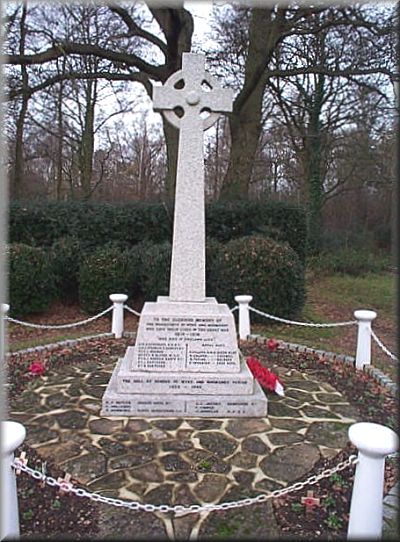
x=374 y=291
x=31 y=342
x=334 y=298
x=313 y=337
x=351 y=261
x=317 y=338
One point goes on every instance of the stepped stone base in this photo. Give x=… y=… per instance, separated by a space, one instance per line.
x=138 y=404
x=173 y=382
x=185 y=363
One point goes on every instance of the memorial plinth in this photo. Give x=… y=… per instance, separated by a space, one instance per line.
x=186 y=360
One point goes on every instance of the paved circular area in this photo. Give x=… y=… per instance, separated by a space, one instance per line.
x=182 y=460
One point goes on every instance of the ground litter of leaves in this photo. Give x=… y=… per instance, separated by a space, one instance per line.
x=46 y=511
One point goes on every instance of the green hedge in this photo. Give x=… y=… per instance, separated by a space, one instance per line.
x=104 y=271
x=154 y=262
x=93 y=223
x=269 y=271
x=31 y=278
x=66 y=254
x=278 y=220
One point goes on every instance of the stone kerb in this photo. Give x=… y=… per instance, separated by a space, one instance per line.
x=374 y=372
x=4 y=310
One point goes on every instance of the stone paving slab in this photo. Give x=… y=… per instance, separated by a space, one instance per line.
x=182 y=460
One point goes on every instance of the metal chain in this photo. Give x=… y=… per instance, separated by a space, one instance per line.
x=61 y=326
x=383 y=347
x=180 y=509
x=131 y=310
x=284 y=320
x=235 y=308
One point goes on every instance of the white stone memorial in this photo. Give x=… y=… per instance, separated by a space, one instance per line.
x=186 y=360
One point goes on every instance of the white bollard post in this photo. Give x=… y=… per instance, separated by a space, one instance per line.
x=12 y=436
x=374 y=443
x=117 y=324
x=363 y=352
x=244 y=315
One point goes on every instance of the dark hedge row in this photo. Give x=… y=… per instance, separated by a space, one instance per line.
x=269 y=270
x=31 y=279
x=94 y=224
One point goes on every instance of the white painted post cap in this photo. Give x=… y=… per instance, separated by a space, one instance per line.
x=365 y=315
x=373 y=439
x=5 y=308
x=243 y=298
x=118 y=298
x=12 y=435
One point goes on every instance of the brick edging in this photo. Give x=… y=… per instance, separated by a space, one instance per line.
x=374 y=372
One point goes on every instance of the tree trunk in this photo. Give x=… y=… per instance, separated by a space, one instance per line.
x=177 y=27
x=16 y=190
x=60 y=135
x=265 y=31
x=17 y=176
x=171 y=140
x=87 y=142
x=315 y=178
x=245 y=128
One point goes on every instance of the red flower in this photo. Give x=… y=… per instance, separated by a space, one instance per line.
x=272 y=345
x=265 y=377
x=37 y=368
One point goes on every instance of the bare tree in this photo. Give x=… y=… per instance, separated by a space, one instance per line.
x=121 y=53
x=269 y=32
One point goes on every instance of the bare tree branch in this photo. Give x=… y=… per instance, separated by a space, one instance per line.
x=136 y=77
x=345 y=72
x=86 y=49
x=135 y=30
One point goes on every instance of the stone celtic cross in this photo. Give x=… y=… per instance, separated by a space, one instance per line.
x=190 y=100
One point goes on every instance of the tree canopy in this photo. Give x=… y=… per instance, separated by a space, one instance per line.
x=303 y=74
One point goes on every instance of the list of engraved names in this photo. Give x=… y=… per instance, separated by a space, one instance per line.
x=186 y=343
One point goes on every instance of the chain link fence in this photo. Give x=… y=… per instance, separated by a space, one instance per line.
x=179 y=509
x=59 y=326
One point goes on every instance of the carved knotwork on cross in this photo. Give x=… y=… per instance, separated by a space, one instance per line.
x=191 y=100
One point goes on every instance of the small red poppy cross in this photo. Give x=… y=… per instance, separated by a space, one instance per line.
x=66 y=485
x=310 y=501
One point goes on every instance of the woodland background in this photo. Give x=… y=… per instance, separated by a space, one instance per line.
x=313 y=120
